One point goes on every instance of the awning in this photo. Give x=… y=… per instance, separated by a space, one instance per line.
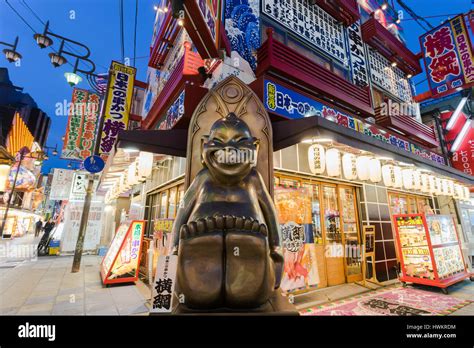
x=287 y=133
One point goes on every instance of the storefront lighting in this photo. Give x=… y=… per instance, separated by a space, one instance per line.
x=407 y=175
x=459 y=139
x=398 y=21
x=144 y=164
x=388 y=175
x=362 y=164
x=57 y=59
x=180 y=22
x=467 y=193
x=317 y=140
x=375 y=170
x=317 y=159
x=398 y=176
x=393 y=64
x=409 y=76
x=384 y=6
x=333 y=162
x=425 y=183
x=439 y=186
x=155 y=8
x=42 y=40
x=72 y=78
x=406 y=164
x=416 y=180
x=349 y=166
x=4 y=171
x=454 y=117
x=37 y=162
x=130 y=150
x=384 y=158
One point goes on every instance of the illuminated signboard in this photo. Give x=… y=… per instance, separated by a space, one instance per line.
x=448 y=56
x=19 y=136
x=117 y=106
x=120 y=264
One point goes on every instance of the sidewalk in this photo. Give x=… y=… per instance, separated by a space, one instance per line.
x=46 y=286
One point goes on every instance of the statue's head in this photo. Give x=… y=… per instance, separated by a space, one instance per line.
x=229 y=151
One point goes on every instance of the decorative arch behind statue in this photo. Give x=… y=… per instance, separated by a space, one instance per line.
x=231 y=95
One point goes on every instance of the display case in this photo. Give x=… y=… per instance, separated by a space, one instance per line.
x=429 y=250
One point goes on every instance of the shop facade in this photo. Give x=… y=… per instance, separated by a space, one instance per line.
x=340 y=164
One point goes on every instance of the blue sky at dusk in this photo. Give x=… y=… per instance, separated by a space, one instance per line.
x=97 y=25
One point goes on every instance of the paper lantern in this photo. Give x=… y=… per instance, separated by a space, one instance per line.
x=388 y=175
x=4 y=171
x=408 y=182
x=145 y=164
x=349 y=167
x=433 y=183
x=398 y=176
x=425 y=183
x=451 y=188
x=317 y=159
x=458 y=191
x=416 y=179
x=333 y=162
x=439 y=186
x=375 y=170
x=363 y=167
x=132 y=175
x=467 y=193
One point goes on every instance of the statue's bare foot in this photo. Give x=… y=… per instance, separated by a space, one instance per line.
x=249 y=277
x=200 y=264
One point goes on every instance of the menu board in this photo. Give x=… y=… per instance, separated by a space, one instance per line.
x=444 y=240
x=414 y=247
x=121 y=261
x=294 y=214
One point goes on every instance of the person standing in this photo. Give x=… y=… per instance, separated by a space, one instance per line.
x=38 y=227
x=48 y=227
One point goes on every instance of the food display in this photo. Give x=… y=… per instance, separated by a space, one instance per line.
x=430 y=250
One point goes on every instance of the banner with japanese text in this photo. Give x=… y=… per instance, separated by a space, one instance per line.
x=448 y=56
x=117 y=105
x=82 y=125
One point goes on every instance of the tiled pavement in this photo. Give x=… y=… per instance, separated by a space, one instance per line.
x=46 y=286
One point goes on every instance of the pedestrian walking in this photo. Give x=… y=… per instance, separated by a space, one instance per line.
x=38 y=227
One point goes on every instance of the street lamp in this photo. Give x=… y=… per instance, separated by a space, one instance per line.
x=58 y=59
x=11 y=54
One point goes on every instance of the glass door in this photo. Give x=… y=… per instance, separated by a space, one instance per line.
x=350 y=233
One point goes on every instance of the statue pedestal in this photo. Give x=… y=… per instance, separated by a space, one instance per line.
x=276 y=305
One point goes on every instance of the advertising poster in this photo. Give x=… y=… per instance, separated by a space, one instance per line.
x=414 y=246
x=117 y=106
x=61 y=184
x=72 y=221
x=294 y=214
x=446 y=250
x=448 y=56
x=121 y=262
x=163 y=286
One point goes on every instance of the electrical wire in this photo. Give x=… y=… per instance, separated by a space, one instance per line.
x=20 y=16
x=122 y=45
x=417 y=18
x=135 y=33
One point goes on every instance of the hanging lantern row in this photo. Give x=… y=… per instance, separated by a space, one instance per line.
x=136 y=172
x=367 y=168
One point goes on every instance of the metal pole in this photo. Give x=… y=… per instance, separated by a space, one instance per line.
x=10 y=197
x=76 y=264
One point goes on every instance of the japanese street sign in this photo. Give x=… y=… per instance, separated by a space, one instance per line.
x=117 y=106
x=82 y=125
x=94 y=164
x=448 y=56
x=163 y=286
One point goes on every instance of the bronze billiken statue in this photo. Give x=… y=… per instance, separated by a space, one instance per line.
x=226 y=231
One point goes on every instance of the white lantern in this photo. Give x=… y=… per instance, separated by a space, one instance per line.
x=439 y=186
x=145 y=164
x=349 y=167
x=425 y=183
x=333 y=162
x=467 y=193
x=416 y=180
x=451 y=188
x=398 y=176
x=444 y=187
x=433 y=183
x=363 y=167
x=388 y=175
x=4 y=171
x=408 y=182
x=458 y=191
x=317 y=159
x=132 y=175
x=375 y=170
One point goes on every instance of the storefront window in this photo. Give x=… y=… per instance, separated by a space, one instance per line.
x=315 y=213
x=172 y=203
x=398 y=204
x=349 y=225
x=164 y=202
